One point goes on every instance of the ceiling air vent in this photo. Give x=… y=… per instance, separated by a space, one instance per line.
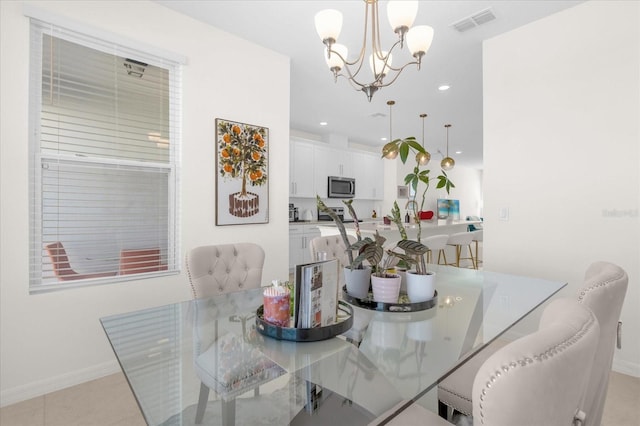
x=474 y=20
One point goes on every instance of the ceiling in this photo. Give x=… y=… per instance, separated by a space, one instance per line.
x=455 y=58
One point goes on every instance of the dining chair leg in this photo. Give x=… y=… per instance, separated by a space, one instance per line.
x=443 y=410
x=202 y=403
x=228 y=412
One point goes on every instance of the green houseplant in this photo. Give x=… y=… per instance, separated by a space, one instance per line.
x=357 y=276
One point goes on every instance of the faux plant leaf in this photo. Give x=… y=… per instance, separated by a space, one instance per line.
x=413 y=247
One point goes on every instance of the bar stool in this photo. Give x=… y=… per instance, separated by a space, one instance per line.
x=436 y=244
x=477 y=237
x=459 y=240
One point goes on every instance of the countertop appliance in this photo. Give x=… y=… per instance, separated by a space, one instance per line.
x=341 y=187
x=293 y=213
x=339 y=211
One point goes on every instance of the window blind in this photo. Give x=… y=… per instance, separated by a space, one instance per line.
x=104 y=161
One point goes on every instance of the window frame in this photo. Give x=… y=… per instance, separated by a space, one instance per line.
x=37 y=155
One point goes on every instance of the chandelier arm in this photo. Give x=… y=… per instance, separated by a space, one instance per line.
x=397 y=74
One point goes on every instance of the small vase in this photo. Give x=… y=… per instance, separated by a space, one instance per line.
x=358 y=282
x=386 y=289
x=420 y=288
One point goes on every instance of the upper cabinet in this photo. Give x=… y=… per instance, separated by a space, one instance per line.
x=312 y=163
x=369 y=175
x=301 y=169
x=330 y=162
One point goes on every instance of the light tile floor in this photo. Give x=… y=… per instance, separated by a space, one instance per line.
x=109 y=402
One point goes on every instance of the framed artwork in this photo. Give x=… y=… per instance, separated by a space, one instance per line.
x=242 y=173
x=403 y=191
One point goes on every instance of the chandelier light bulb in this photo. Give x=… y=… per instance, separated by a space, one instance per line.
x=336 y=62
x=401 y=15
x=419 y=40
x=380 y=65
x=328 y=25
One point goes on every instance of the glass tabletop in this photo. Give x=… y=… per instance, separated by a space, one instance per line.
x=172 y=355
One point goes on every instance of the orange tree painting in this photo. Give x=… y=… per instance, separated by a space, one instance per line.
x=242 y=159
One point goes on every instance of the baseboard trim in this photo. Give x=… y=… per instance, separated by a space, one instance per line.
x=42 y=387
x=626 y=367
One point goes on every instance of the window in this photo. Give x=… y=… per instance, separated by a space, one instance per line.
x=104 y=161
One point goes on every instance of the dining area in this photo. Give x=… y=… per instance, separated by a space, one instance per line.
x=204 y=360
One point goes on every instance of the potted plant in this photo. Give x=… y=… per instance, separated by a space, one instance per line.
x=420 y=282
x=385 y=285
x=357 y=276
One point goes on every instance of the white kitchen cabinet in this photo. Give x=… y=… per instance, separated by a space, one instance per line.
x=331 y=162
x=301 y=169
x=369 y=175
x=300 y=237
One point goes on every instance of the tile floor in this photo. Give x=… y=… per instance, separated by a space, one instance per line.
x=109 y=402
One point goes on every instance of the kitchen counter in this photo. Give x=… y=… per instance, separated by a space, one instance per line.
x=391 y=233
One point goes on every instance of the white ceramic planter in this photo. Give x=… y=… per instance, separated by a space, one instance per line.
x=420 y=288
x=358 y=282
x=386 y=290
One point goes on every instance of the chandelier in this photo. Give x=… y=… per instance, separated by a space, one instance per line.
x=401 y=15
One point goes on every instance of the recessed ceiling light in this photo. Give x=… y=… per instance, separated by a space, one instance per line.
x=443 y=87
x=458 y=152
x=383 y=139
x=323 y=123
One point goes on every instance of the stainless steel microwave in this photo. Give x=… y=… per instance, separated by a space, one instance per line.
x=341 y=187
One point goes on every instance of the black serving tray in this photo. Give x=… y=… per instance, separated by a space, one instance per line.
x=343 y=324
x=403 y=305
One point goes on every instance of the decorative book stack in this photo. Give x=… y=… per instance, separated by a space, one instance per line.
x=316 y=294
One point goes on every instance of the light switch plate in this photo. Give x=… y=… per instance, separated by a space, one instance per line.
x=503 y=214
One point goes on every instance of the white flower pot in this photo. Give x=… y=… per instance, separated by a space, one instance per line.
x=420 y=288
x=386 y=290
x=358 y=282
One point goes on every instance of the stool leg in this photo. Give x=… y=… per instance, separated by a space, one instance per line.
x=443 y=254
x=458 y=253
x=473 y=259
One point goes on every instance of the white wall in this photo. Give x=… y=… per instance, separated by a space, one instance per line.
x=561 y=151
x=53 y=340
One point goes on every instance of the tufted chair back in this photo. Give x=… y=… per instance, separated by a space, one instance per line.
x=603 y=292
x=335 y=249
x=224 y=268
x=540 y=379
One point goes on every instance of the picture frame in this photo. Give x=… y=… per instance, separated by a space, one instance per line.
x=403 y=191
x=242 y=173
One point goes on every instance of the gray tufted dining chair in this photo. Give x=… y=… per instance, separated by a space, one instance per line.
x=215 y=270
x=539 y=379
x=333 y=246
x=603 y=291
x=224 y=268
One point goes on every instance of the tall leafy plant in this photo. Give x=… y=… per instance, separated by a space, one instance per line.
x=418 y=179
x=418 y=175
x=343 y=232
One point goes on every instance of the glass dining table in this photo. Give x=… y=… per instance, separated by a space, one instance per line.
x=204 y=362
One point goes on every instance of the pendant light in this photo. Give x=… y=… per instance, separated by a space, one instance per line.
x=447 y=162
x=422 y=158
x=390 y=150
